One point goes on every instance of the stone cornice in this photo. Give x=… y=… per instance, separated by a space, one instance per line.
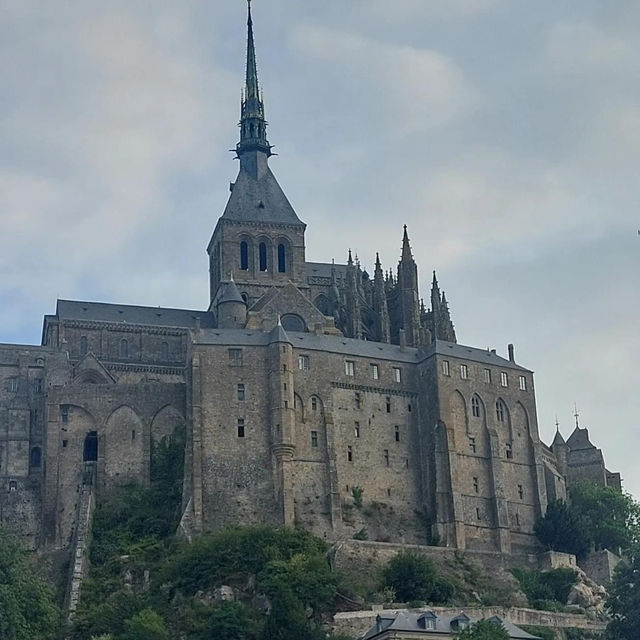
x=126 y=327
x=381 y=391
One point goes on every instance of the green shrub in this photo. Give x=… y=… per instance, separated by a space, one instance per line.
x=146 y=625
x=542 y=632
x=361 y=534
x=357 y=492
x=546 y=590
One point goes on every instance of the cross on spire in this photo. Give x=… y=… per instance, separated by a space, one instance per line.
x=576 y=415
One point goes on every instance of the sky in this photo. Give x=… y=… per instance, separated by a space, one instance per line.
x=504 y=133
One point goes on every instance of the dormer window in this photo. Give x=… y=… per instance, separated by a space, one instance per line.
x=427 y=621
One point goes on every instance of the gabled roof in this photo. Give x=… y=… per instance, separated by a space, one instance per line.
x=579 y=439
x=259 y=200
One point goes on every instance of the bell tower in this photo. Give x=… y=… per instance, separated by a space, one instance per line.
x=259 y=238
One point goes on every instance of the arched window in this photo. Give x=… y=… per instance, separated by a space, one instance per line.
x=282 y=258
x=500 y=411
x=83 y=345
x=164 y=350
x=475 y=406
x=293 y=322
x=262 y=256
x=90 y=453
x=124 y=348
x=244 y=255
x=36 y=458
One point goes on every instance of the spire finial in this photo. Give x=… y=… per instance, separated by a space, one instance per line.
x=557 y=424
x=406 y=247
x=576 y=415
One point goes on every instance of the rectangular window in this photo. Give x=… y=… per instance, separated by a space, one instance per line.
x=349 y=368
x=517 y=519
x=356 y=429
x=13 y=485
x=397 y=374
x=358 y=399
x=314 y=439
x=303 y=363
x=445 y=368
x=388 y=404
x=37 y=385
x=504 y=380
x=386 y=457
x=240 y=428
x=478 y=517
x=314 y=403
x=508 y=450
x=235 y=357
x=241 y=393
x=487 y=376
x=522 y=383
x=397 y=433
x=64 y=413
x=375 y=371
x=464 y=371
x=350 y=454
x=12 y=385
x=520 y=492
x=472 y=444
x=476 y=485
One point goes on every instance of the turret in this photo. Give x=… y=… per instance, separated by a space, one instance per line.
x=231 y=309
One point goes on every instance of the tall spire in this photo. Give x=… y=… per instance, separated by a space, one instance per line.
x=253 y=126
x=406 y=247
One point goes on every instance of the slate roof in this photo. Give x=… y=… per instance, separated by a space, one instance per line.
x=323 y=269
x=259 y=200
x=579 y=439
x=131 y=314
x=483 y=356
x=408 y=621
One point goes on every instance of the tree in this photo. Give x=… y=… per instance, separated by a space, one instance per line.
x=484 y=630
x=146 y=625
x=414 y=577
x=27 y=609
x=560 y=529
x=624 y=601
x=610 y=518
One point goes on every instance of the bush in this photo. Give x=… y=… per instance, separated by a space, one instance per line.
x=546 y=590
x=146 y=625
x=357 y=492
x=362 y=534
x=414 y=577
x=542 y=632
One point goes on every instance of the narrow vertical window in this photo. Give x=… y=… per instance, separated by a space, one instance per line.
x=520 y=492
x=475 y=406
x=397 y=374
x=64 y=413
x=386 y=457
x=241 y=392
x=282 y=258
x=508 y=450
x=240 y=428
x=476 y=485
x=517 y=519
x=164 y=351
x=397 y=433
x=504 y=380
x=262 y=256
x=358 y=399
x=388 y=404
x=464 y=371
x=472 y=444
x=522 y=383
x=83 y=345
x=314 y=403
x=244 y=256
x=350 y=454
x=500 y=411
x=487 y=376
x=124 y=348
x=37 y=385
x=375 y=371
x=356 y=429
x=314 y=439
x=478 y=516
x=349 y=368
x=445 y=368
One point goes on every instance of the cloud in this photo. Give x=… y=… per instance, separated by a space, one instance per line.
x=418 y=88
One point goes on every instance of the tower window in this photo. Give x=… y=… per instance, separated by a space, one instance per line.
x=350 y=454
x=262 y=256
x=83 y=345
x=375 y=371
x=349 y=368
x=445 y=368
x=476 y=485
x=314 y=439
x=464 y=371
x=240 y=428
x=303 y=363
x=314 y=403
x=358 y=399
x=522 y=383
x=520 y=492
x=508 y=450
x=397 y=374
x=478 y=516
x=397 y=433
x=282 y=258
x=356 y=430
x=517 y=519
x=504 y=380
x=124 y=348
x=487 y=376
x=386 y=457
x=475 y=406
x=244 y=256
x=472 y=444
x=241 y=392
x=388 y=404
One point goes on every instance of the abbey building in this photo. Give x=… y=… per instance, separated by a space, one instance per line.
x=313 y=394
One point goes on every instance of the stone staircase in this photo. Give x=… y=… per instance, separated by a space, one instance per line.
x=79 y=560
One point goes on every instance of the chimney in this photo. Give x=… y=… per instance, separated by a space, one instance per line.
x=511 y=358
x=197 y=327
